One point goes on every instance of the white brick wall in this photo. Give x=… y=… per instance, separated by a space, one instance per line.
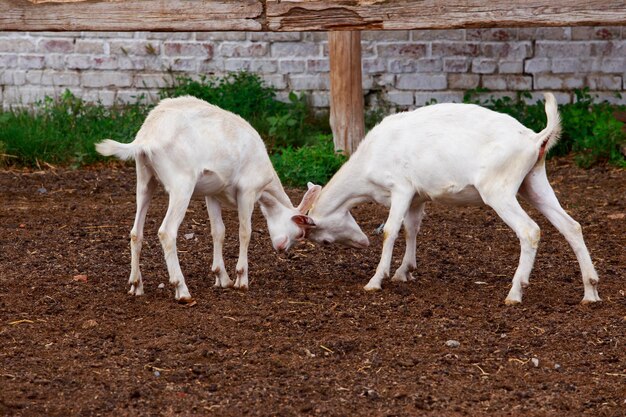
x=407 y=68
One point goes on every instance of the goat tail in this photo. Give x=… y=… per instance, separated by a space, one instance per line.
x=548 y=137
x=124 y=151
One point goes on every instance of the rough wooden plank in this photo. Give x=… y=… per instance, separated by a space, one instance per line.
x=122 y=15
x=301 y=15
x=346 y=90
x=304 y=15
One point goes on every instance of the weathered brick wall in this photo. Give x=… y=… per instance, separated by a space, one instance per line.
x=406 y=68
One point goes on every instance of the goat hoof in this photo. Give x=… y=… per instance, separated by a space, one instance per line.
x=406 y=277
x=511 y=302
x=372 y=288
x=136 y=290
x=187 y=302
x=399 y=278
x=241 y=283
x=587 y=302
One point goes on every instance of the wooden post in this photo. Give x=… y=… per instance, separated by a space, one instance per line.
x=346 y=90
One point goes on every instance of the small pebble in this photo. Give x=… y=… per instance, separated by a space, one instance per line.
x=157 y=373
x=189 y=236
x=42 y=190
x=557 y=366
x=89 y=324
x=81 y=278
x=370 y=393
x=535 y=362
x=502 y=335
x=161 y=286
x=453 y=343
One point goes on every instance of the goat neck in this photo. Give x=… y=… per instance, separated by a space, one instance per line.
x=346 y=189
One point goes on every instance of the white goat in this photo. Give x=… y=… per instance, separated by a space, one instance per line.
x=195 y=148
x=454 y=154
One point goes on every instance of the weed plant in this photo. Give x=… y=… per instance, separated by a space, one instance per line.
x=590 y=129
x=316 y=162
x=280 y=124
x=64 y=130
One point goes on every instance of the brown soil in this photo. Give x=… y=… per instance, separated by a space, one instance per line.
x=305 y=339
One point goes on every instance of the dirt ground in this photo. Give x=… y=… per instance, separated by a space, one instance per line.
x=305 y=339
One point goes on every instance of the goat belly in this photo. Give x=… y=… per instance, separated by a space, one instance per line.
x=209 y=184
x=464 y=196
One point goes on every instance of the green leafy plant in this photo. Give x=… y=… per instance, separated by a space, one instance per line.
x=589 y=128
x=602 y=143
x=242 y=93
x=316 y=162
x=64 y=130
x=288 y=128
x=532 y=116
x=279 y=123
x=4 y=156
x=377 y=110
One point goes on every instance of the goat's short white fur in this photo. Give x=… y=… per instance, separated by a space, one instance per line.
x=454 y=154
x=195 y=148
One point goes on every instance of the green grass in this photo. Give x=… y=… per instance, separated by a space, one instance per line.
x=590 y=129
x=63 y=131
x=316 y=162
x=280 y=124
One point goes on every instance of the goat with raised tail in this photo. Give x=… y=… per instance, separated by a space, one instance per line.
x=195 y=148
x=454 y=154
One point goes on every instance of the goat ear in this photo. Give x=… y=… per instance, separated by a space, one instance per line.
x=303 y=221
x=310 y=197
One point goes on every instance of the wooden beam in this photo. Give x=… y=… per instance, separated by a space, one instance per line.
x=131 y=15
x=301 y=15
x=346 y=90
x=305 y=15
